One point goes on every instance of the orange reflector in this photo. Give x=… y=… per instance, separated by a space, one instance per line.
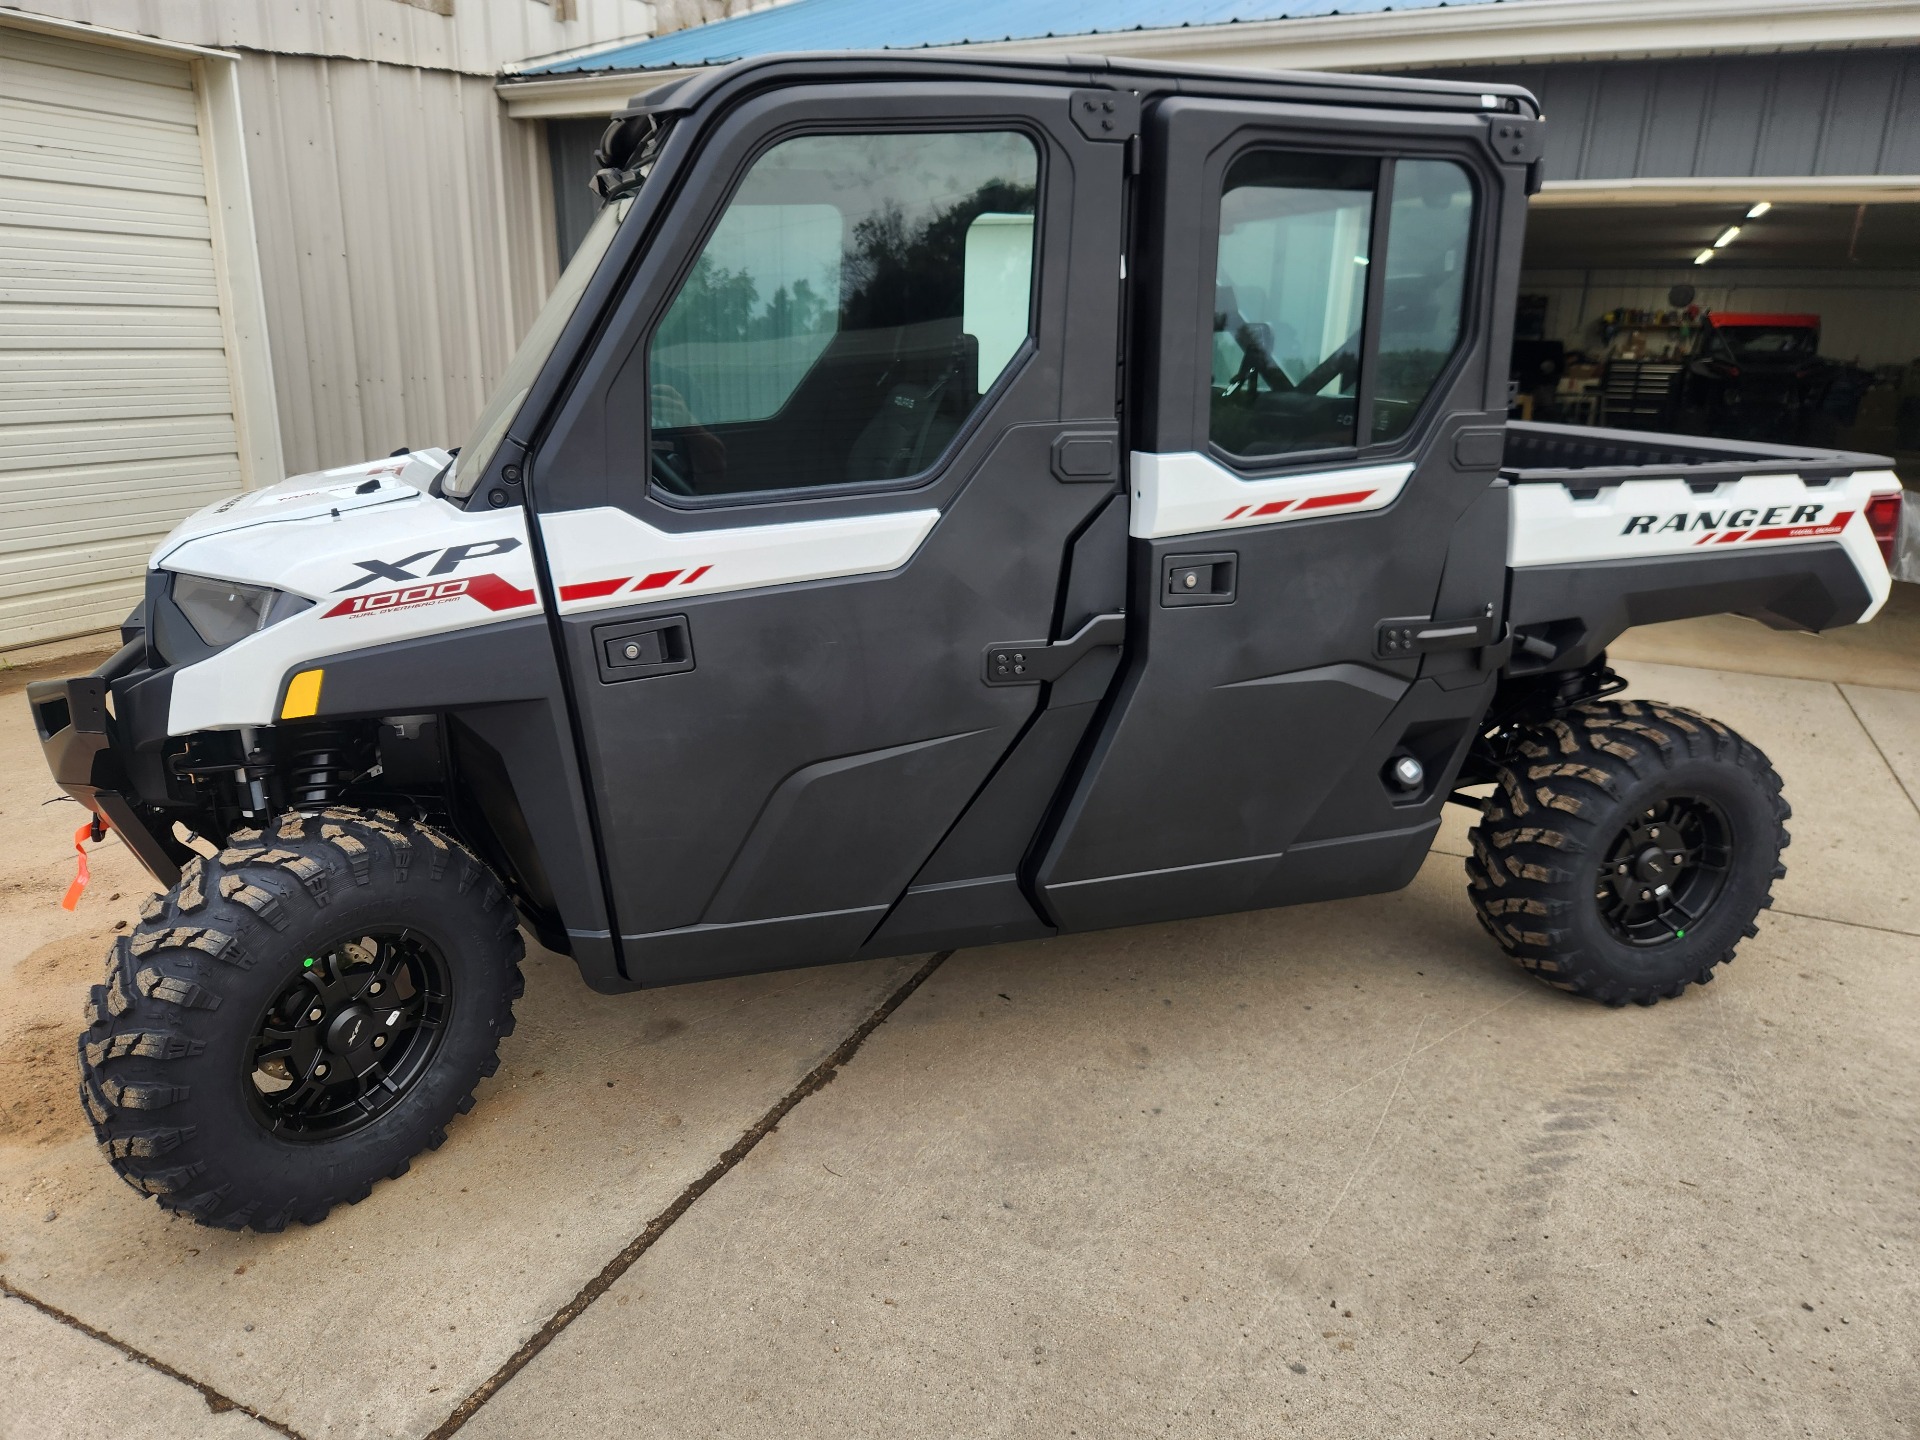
x=303 y=696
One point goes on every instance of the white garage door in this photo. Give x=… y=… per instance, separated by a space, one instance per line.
x=116 y=407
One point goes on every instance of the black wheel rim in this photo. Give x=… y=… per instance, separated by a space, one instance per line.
x=1664 y=870
x=350 y=1033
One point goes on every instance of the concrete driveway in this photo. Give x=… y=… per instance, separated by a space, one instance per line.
x=1334 y=1170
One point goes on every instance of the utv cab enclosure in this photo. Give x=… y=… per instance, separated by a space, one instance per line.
x=943 y=502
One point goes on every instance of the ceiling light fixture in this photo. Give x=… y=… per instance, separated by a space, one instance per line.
x=1703 y=257
x=1726 y=237
x=1762 y=208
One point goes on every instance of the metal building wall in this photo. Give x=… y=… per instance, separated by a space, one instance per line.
x=475 y=36
x=570 y=149
x=1834 y=112
x=405 y=241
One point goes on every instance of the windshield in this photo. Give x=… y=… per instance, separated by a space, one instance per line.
x=504 y=403
x=1761 y=342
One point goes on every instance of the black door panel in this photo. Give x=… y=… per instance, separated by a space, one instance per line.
x=837 y=833
x=831 y=732
x=1244 y=759
x=769 y=805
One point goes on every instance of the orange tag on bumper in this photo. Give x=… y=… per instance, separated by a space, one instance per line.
x=94 y=829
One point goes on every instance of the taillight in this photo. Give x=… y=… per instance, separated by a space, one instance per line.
x=1883 y=518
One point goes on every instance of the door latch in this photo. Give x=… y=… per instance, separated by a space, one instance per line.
x=660 y=646
x=1029 y=663
x=1199 y=579
x=1409 y=635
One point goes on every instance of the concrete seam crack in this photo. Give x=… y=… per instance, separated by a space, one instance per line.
x=1874 y=740
x=1849 y=924
x=815 y=1080
x=217 y=1402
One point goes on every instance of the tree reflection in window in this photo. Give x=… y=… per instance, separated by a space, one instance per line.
x=845 y=316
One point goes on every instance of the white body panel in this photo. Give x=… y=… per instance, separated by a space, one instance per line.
x=383 y=561
x=485 y=575
x=605 y=557
x=303 y=497
x=1637 y=519
x=1190 y=494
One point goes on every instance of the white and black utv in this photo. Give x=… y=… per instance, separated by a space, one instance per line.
x=943 y=502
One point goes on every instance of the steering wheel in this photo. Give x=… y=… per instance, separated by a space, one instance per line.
x=668 y=477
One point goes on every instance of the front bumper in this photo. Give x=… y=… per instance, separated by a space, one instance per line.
x=79 y=736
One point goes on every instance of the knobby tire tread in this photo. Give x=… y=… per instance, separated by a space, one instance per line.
x=159 y=1004
x=1557 y=799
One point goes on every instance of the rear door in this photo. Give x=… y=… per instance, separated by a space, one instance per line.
x=853 y=428
x=1314 y=494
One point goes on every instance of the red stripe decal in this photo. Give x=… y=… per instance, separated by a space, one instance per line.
x=1321 y=502
x=1272 y=507
x=490 y=590
x=1804 y=532
x=496 y=593
x=1731 y=536
x=656 y=580
x=592 y=589
x=1706 y=539
x=696 y=575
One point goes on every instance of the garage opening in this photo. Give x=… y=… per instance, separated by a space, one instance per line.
x=1788 y=322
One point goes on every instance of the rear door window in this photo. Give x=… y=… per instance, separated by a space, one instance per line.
x=1428 y=234
x=1289 y=301
x=1292 y=367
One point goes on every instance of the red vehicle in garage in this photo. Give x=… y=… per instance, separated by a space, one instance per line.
x=1758 y=376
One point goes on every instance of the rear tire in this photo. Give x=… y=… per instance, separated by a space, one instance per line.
x=1574 y=869
x=299 y=1017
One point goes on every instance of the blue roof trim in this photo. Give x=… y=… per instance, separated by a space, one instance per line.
x=915 y=24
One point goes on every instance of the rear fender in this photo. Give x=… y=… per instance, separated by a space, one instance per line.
x=1586 y=564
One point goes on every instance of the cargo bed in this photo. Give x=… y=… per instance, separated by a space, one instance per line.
x=1585 y=458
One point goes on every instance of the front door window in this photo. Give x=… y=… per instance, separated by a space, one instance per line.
x=858 y=297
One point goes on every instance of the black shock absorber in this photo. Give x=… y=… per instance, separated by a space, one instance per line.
x=321 y=767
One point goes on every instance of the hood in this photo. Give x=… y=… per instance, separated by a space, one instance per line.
x=305 y=497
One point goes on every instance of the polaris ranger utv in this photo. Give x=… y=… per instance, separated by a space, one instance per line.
x=943 y=502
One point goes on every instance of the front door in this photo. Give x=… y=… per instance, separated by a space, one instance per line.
x=850 y=449
x=1319 y=529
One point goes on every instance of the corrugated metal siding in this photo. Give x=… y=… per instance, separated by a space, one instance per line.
x=405 y=244
x=570 y=146
x=116 y=408
x=477 y=37
x=1840 y=112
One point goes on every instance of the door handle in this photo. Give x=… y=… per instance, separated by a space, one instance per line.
x=1029 y=662
x=639 y=648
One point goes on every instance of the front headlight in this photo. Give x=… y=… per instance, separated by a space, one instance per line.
x=223 y=611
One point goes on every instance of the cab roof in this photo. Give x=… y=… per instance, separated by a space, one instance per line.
x=1148 y=79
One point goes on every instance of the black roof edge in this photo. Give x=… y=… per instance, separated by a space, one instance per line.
x=1149 y=79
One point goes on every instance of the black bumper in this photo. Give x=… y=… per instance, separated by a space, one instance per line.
x=1592 y=602
x=88 y=756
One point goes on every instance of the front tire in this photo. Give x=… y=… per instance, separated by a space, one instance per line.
x=299 y=1017
x=1628 y=849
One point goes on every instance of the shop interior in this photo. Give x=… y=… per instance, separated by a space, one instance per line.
x=1745 y=319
